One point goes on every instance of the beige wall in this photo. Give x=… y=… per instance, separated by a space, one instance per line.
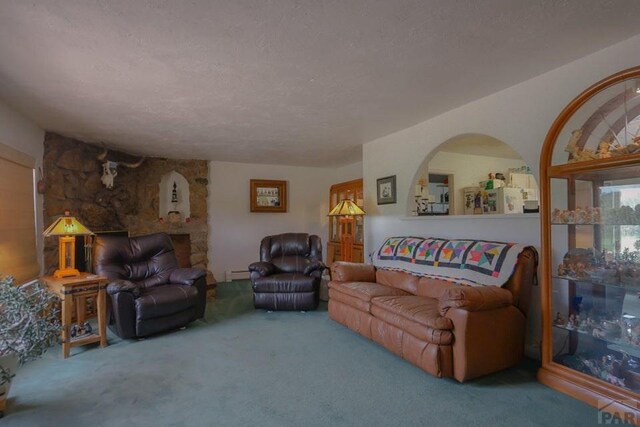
x=235 y=232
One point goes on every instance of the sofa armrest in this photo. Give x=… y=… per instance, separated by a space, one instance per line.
x=314 y=266
x=342 y=271
x=186 y=276
x=263 y=268
x=123 y=286
x=472 y=298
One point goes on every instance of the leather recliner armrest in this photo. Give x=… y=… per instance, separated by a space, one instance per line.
x=123 y=286
x=472 y=298
x=186 y=276
x=342 y=271
x=314 y=266
x=263 y=268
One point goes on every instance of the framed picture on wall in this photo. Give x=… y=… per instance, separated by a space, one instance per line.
x=386 y=190
x=268 y=195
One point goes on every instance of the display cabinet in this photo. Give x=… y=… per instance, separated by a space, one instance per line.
x=590 y=175
x=346 y=190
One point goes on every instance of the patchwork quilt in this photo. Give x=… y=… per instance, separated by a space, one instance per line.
x=470 y=262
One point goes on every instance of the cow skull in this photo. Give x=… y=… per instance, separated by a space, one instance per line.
x=110 y=168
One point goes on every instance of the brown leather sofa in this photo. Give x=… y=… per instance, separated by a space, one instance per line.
x=448 y=330
x=148 y=292
x=287 y=277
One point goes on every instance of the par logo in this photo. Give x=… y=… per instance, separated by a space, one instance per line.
x=614 y=413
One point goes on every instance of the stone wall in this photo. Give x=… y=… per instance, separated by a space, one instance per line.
x=72 y=177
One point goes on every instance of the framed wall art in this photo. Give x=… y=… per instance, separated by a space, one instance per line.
x=268 y=195
x=386 y=190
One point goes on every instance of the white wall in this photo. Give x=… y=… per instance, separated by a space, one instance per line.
x=22 y=134
x=520 y=116
x=235 y=232
x=468 y=170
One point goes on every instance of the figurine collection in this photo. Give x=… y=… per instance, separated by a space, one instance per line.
x=623 y=331
x=579 y=215
x=624 y=215
x=621 y=269
x=607 y=148
x=621 y=372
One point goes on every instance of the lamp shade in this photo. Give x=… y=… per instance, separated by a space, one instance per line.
x=67 y=226
x=346 y=208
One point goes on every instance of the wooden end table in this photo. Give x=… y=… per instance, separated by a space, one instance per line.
x=73 y=293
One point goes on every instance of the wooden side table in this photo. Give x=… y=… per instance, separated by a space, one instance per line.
x=73 y=292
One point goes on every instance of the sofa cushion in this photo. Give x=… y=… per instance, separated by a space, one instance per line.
x=432 y=287
x=472 y=298
x=336 y=295
x=401 y=318
x=284 y=282
x=342 y=271
x=365 y=291
x=398 y=279
x=165 y=300
x=422 y=310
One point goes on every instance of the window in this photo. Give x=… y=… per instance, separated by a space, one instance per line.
x=18 y=253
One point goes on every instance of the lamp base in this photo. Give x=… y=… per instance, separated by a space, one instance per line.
x=67 y=272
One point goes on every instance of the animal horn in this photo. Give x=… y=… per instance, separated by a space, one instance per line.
x=132 y=165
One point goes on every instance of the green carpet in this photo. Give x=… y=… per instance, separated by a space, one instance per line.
x=245 y=367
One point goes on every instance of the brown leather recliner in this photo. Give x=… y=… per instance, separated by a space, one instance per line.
x=148 y=292
x=288 y=274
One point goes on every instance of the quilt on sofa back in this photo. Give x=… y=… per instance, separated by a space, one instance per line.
x=471 y=262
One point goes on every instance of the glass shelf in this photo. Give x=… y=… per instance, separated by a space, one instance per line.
x=615 y=345
x=590 y=281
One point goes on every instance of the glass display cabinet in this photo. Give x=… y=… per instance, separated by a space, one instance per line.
x=346 y=190
x=590 y=175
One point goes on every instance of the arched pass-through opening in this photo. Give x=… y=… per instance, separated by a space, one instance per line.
x=473 y=174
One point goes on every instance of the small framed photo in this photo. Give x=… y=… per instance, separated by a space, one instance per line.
x=268 y=195
x=386 y=190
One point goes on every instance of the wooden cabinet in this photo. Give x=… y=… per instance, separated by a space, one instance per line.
x=346 y=190
x=590 y=176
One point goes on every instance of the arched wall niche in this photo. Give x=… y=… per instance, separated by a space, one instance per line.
x=166 y=204
x=460 y=163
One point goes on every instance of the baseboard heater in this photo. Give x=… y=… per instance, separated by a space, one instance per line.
x=231 y=275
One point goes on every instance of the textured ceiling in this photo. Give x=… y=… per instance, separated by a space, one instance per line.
x=291 y=82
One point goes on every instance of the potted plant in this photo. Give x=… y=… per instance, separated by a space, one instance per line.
x=29 y=325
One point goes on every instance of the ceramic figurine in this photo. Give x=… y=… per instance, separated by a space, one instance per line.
x=596 y=215
x=576 y=153
x=605 y=150
x=559 y=320
x=581 y=216
x=556 y=216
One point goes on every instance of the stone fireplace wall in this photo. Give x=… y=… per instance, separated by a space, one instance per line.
x=72 y=174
